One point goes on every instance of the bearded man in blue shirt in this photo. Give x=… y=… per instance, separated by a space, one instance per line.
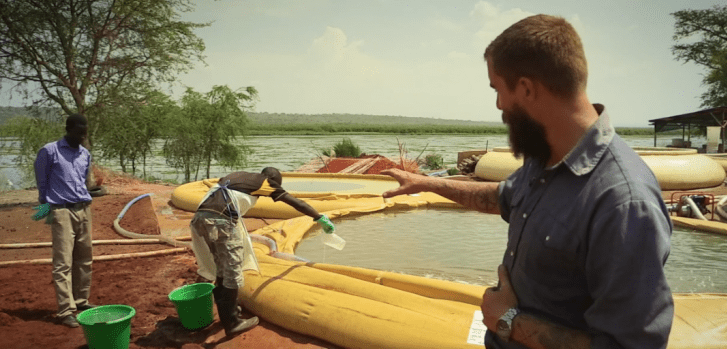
x=589 y=233
x=61 y=169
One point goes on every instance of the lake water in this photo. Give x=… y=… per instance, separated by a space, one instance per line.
x=288 y=153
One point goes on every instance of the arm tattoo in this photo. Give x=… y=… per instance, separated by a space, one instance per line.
x=480 y=196
x=540 y=333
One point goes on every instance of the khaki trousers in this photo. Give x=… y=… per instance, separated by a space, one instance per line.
x=72 y=257
x=225 y=244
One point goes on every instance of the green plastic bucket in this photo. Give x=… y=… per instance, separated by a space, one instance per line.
x=107 y=326
x=194 y=304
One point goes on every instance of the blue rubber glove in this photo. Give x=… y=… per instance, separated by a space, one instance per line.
x=43 y=210
x=326 y=224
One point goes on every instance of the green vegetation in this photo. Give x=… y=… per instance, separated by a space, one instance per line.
x=433 y=161
x=82 y=55
x=263 y=124
x=344 y=148
x=317 y=129
x=206 y=128
x=153 y=179
x=635 y=131
x=304 y=124
x=31 y=134
x=128 y=130
x=703 y=40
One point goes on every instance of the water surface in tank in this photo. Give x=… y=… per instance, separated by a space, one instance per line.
x=467 y=246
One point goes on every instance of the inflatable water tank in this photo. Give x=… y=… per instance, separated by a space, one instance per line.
x=675 y=169
x=497 y=164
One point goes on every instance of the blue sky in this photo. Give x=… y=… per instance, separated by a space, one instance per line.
x=424 y=58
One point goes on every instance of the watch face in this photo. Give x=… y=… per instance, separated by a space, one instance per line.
x=503 y=330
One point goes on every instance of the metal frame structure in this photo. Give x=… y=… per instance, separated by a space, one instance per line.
x=703 y=118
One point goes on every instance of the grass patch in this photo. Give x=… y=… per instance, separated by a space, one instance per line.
x=344 y=148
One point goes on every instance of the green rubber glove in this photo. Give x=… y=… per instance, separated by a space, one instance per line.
x=43 y=210
x=326 y=223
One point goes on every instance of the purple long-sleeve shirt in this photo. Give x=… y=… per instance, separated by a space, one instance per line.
x=60 y=173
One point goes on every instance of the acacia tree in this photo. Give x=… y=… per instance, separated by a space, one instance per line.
x=709 y=51
x=207 y=129
x=78 y=54
x=129 y=129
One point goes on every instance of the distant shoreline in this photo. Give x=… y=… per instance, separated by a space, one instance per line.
x=284 y=124
x=330 y=130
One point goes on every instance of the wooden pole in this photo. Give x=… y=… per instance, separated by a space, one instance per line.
x=100 y=258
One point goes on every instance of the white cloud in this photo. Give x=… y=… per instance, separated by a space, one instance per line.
x=275 y=8
x=493 y=20
x=336 y=75
x=334 y=57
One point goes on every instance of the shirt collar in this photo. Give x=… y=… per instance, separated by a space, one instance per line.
x=583 y=158
x=63 y=143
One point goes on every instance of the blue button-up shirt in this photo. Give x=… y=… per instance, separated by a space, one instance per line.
x=60 y=173
x=587 y=243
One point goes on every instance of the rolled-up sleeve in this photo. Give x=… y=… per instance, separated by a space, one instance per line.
x=632 y=303
x=42 y=170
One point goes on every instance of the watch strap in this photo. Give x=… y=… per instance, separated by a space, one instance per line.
x=504 y=324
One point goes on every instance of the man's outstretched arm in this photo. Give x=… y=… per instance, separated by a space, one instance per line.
x=300 y=206
x=480 y=196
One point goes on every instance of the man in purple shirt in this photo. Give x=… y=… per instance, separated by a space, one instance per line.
x=60 y=173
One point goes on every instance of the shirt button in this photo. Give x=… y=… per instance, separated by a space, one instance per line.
x=512 y=253
x=547 y=238
x=542 y=180
x=525 y=215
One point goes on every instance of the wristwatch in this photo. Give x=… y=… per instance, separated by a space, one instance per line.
x=504 y=324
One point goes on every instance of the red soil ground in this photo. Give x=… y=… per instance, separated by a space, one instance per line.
x=27 y=297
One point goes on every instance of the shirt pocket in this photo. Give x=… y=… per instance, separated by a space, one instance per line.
x=562 y=241
x=552 y=253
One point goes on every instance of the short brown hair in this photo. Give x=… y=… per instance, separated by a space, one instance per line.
x=543 y=48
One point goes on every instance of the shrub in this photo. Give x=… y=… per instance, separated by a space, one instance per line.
x=434 y=161
x=452 y=171
x=344 y=148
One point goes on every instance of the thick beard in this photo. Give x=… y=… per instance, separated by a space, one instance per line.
x=527 y=136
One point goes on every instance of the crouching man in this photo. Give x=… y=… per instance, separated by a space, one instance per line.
x=220 y=240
